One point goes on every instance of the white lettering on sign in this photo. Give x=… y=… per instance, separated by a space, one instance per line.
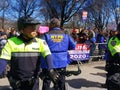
x=81 y=52
x=81 y=47
x=79 y=57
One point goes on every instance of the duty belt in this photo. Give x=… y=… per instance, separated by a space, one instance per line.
x=17 y=83
x=29 y=81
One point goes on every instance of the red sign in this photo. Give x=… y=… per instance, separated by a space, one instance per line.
x=82 y=47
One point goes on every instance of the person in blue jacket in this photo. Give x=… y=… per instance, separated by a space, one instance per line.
x=101 y=39
x=59 y=44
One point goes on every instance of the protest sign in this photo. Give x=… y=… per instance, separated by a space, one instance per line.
x=43 y=29
x=82 y=52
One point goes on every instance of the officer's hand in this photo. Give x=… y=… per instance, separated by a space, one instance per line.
x=54 y=76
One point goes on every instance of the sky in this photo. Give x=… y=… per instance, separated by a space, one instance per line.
x=11 y=14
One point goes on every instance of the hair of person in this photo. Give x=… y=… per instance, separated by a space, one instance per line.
x=54 y=22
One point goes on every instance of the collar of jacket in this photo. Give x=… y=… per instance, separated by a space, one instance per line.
x=56 y=28
x=26 y=41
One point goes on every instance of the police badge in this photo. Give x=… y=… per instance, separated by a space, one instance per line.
x=113 y=43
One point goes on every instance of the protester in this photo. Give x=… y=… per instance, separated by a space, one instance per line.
x=3 y=40
x=101 y=40
x=74 y=34
x=82 y=36
x=59 y=43
x=12 y=33
x=92 y=40
x=24 y=52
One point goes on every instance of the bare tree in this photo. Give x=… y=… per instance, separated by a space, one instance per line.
x=3 y=6
x=25 y=7
x=99 y=14
x=63 y=9
x=115 y=10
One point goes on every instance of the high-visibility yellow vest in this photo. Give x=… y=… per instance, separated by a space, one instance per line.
x=114 y=45
x=16 y=48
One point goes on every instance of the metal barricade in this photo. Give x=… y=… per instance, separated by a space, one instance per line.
x=96 y=56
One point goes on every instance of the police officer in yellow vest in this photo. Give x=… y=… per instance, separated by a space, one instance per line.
x=24 y=52
x=113 y=62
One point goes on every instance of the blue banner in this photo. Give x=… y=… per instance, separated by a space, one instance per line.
x=82 y=52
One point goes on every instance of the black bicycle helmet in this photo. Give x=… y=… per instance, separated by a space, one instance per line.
x=25 y=21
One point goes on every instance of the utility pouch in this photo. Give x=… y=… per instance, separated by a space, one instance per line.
x=115 y=79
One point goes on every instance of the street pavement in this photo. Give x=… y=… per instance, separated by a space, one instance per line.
x=91 y=78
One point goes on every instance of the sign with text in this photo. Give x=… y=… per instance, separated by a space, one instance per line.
x=82 y=52
x=84 y=15
x=43 y=29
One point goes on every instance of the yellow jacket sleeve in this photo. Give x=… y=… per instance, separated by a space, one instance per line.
x=6 y=52
x=44 y=48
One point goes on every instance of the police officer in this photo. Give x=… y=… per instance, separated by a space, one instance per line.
x=23 y=52
x=113 y=62
x=59 y=44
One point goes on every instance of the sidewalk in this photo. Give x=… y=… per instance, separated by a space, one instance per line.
x=92 y=76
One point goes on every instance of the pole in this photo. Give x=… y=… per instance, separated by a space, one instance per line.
x=3 y=16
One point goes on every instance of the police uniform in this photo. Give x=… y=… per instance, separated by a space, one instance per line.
x=24 y=57
x=59 y=44
x=113 y=63
x=24 y=52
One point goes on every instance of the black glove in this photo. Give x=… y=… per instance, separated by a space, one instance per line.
x=54 y=76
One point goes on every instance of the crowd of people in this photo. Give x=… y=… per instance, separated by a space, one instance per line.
x=6 y=34
x=111 y=52
x=32 y=57
x=94 y=38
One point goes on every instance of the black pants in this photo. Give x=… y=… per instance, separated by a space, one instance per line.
x=112 y=86
x=58 y=86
